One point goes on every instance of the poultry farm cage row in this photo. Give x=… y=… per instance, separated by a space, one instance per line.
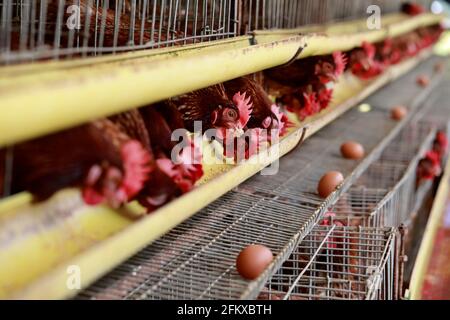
x=384 y=196
x=338 y=263
x=46 y=29
x=183 y=265
x=196 y=260
x=356 y=251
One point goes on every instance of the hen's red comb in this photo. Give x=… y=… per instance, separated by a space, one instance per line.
x=433 y=157
x=136 y=167
x=310 y=105
x=340 y=61
x=369 y=49
x=188 y=168
x=441 y=138
x=311 y=102
x=244 y=106
x=282 y=119
x=191 y=158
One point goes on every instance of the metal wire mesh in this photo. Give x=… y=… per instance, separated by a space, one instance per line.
x=438 y=108
x=385 y=194
x=50 y=29
x=197 y=259
x=355 y=207
x=53 y=28
x=396 y=171
x=338 y=263
x=288 y=14
x=339 y=259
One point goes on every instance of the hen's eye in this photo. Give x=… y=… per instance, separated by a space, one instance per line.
x=327 y=67
x=232 y=114
x=266 y=122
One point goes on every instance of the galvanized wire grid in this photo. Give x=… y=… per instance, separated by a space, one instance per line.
x=385 y=194
x=405 y=90
x=44 y=29
x=355 y=207
x=338 y=263
x=330 y=266
x=438 y=109
x=396 y=171
x=196 y=260
x=54 y=28
x=288 y=14
x=297 y=180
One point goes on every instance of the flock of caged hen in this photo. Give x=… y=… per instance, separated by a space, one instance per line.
x=130 y=156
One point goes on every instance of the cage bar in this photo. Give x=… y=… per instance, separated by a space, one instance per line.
x=56 y=28
x=66 y=28
x=385 y=194
x=338 y=263
x=197 y=258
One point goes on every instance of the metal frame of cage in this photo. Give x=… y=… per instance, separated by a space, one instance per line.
x=385 y=194
x=196 y=260
x=45 y=29
x=290 y=14
x=338 y=263
x=54 y=28
x=382 y=198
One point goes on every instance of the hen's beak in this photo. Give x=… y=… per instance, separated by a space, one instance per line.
x=238 y=132
x=332 y=76
x=365 y=64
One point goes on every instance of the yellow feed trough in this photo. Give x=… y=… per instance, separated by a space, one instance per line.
x=57 y=95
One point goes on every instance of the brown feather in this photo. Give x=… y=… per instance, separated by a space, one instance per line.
x=298 y=73
x=48 y=164
x=158 y=129
x=133 y=124
x=198 y=105
x=261 y=101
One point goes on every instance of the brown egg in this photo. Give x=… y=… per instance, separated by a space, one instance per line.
x=352 y=150
x=423 y=80
x=253 y=260
x=329 y=182
x=398 y=112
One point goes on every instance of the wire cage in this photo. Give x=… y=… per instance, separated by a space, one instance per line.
x=397 y=169
x=51 y=29
x=338 y=263
x=54 y=28
x=355 y=208
x=289 y=14
x=385 y=194
x=197 y=259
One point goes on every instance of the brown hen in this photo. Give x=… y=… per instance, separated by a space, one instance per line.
x=265 y=113
x=221 y=115
x=177 y=169
x=104 y=161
